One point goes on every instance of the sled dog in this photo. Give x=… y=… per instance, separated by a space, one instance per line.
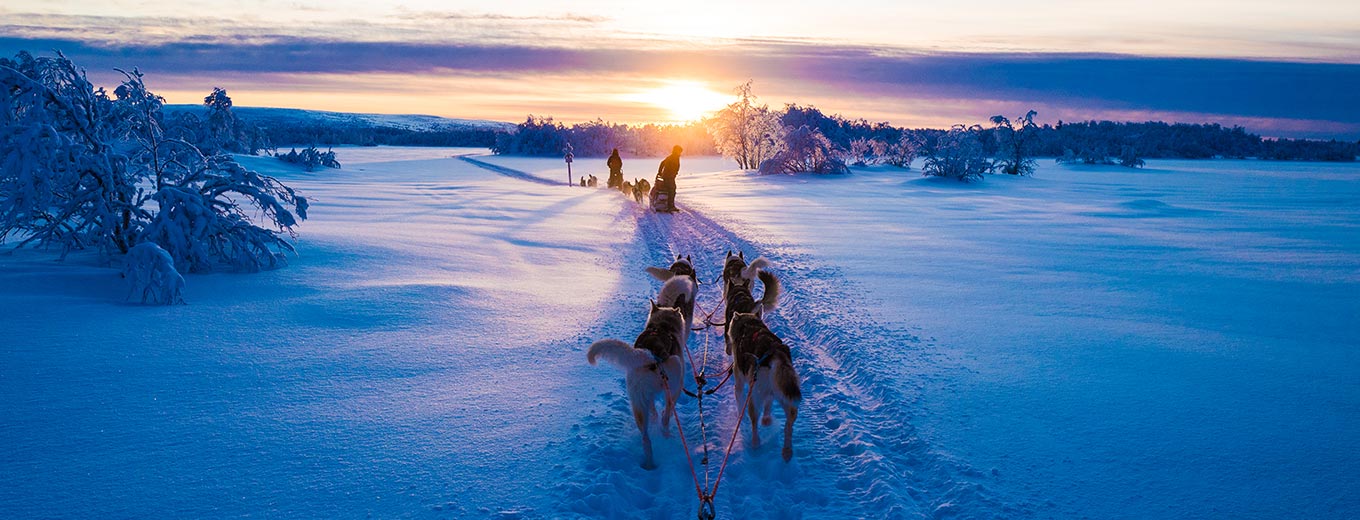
x=737 y=277
x=641 y=190
x=653 y=368
x=683 y=267
x=593 y=182
x=760 y=354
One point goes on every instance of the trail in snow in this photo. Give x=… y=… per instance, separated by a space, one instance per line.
x=856 y=453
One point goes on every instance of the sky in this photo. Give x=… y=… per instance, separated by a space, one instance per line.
x=1279 y=69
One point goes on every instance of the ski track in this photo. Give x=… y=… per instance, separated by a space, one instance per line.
x=856 y=453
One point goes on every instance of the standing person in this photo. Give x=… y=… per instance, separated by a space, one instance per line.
x=615 y=170
x=665 y=176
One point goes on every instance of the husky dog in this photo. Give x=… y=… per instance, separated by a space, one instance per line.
x=593 y=182
x=638 y=195
x=682 y=266
x=653 y=367
x=760 y=354
x=626 y=188
x=679 y=287
x=737 y=277
x=583 y=182
x=643 y=190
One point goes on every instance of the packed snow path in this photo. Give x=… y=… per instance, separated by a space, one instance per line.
x=856 y=454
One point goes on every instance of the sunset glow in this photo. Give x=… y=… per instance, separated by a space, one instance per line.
x=683 y=100
x=628 y=62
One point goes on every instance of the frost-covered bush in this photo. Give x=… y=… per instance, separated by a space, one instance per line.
x=150 y=271
x=1013 y=147
x=864 y=152
x=958 y=155
x=199 y=229
x=902 y=152
x=82 y=169
x=805 y=150
x=310 y=158
x=1128 y=157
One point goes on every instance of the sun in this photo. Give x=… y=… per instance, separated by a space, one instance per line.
x=684 y=100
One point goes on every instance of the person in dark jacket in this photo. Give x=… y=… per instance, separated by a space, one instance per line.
x=615 y=170
x=665 y=176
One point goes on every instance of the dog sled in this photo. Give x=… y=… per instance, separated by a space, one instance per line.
x=660 y=199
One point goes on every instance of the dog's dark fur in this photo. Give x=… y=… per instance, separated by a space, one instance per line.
x=758 y=353
x=653 y=367
x=737 y=277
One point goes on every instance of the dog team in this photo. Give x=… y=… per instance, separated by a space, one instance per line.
x=761 y=363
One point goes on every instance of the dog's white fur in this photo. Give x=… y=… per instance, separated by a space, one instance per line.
x=674 y=288
x=644 y=386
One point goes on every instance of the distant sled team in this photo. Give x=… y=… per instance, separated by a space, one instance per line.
x=659 y=197
x=761 y=363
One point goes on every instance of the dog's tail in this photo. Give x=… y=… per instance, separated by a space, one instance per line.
x=659 y=273
x=677 y=292
x=786 y=382
x=770 y=299
x=757 y=265
x=619 y=353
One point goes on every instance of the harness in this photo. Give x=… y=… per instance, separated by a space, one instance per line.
x=671 y=344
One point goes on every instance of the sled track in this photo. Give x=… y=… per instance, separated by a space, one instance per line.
x=509 y=172
x=856 y=453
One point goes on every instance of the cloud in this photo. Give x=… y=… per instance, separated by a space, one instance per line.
x=970 y=86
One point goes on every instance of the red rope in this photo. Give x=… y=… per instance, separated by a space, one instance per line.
x=675 y=412
x=733 y=442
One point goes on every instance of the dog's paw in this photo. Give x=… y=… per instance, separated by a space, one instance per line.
x=766 y=421
x=648 y=465
x=787 y=453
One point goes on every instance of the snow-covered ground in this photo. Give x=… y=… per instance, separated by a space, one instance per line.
x=1175 y=342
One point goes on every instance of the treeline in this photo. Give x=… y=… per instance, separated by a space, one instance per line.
x=330 y=134
x=1150 y=140
x=542 y=136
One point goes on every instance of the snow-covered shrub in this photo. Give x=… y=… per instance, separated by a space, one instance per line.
x=310 y=158
x=902 y=152
x=864 y=152
x=149 y=271
x=805 y=150
x=201 y=221
x=958 y=155
x=1128 y=157
x=1013 y=149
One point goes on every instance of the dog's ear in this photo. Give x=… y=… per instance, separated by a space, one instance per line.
x=687 y=259
x=759 y=312
x=741 y=255
x=653 y=302
x=729 y=253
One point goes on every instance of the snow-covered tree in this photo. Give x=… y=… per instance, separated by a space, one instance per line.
x=805 y=150
x=63 y=183
x=1014 y=156
x=958 y=155
x=746 y=132
x=83 y=170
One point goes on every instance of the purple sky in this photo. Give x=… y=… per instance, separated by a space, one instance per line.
x=505 y=65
